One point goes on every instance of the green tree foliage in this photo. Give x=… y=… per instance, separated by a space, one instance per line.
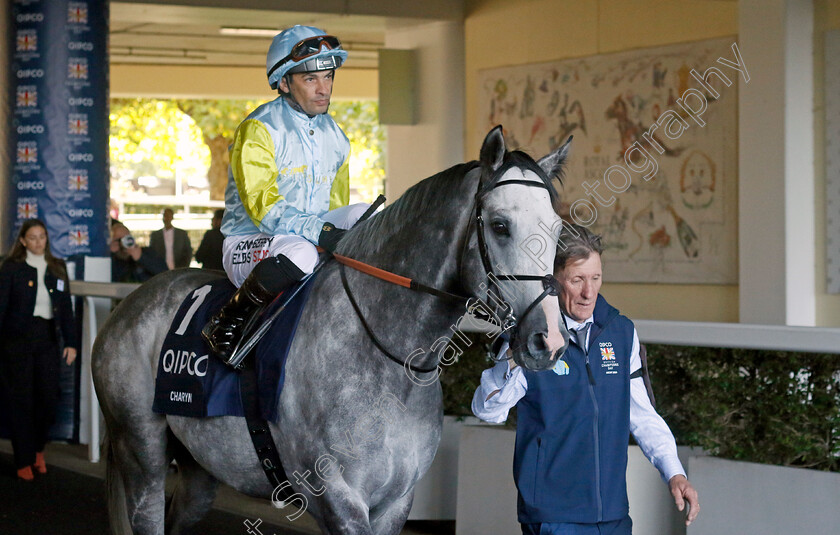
x=218 y=117
x=762 y=406
x=218 y=120
x=360 y=121
x=153 y=137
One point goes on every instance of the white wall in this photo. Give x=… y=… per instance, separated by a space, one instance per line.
x=436 y=492
x=435 y=142
x=739 y=497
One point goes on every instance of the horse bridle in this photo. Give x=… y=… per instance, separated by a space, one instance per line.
x=500 y=308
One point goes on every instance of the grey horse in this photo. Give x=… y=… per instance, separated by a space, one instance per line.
x=356 y=431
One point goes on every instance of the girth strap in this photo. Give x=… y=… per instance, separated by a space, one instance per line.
x=261 y=435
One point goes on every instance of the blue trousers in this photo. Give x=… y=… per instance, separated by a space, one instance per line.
x=616 y=527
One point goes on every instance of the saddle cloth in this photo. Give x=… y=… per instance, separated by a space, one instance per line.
x=192 y=382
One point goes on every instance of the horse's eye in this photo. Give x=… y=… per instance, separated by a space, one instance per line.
x=500 y=229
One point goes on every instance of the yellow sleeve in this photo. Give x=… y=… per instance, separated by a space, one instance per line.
x=254 y=169
x=340 y=192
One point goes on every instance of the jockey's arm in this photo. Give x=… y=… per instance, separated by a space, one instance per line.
x=255 y=172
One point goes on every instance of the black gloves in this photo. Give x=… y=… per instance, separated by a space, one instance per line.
x=330 y=236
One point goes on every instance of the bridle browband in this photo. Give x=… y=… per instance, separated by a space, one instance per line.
x=500 y=308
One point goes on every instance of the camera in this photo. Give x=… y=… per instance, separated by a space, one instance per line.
x=127 y=241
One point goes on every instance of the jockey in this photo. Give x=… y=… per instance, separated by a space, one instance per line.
x=288 y=183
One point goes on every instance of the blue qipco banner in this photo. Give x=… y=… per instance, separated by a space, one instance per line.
x=59 y=134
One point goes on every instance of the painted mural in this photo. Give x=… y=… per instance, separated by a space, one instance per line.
x=653 y=166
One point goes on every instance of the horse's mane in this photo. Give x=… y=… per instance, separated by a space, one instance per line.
x=426 y=196
x=415 y=203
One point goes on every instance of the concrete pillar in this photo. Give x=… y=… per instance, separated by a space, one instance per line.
x=435 y=142
x=776 y=163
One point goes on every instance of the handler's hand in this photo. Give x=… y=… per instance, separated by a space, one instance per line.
x=69 y=355
x=682 y=491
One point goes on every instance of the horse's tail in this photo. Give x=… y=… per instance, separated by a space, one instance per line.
x=115 y=489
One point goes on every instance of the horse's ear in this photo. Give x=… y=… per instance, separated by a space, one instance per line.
x=553 y=162
x=493 y=150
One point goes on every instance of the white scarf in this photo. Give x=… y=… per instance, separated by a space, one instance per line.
x=43 y=305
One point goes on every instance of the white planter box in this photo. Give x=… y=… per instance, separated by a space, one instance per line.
x=738 y=497
x=435 y=494
x=487 y=493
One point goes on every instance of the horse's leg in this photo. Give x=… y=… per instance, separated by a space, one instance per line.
x=343 y=511
x=139 y=460
x=117 y=513
x=194 y=493
x=391 y=520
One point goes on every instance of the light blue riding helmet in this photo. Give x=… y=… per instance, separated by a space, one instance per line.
x=302 y=49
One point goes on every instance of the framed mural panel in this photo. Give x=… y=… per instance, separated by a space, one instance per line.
x=653 y=165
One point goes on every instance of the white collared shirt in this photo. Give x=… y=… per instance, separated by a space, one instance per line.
x=502 y=388
x=168 y=242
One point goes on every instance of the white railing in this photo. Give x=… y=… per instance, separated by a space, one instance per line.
x=92 y=291
x=740 y=335
x=706 y=334
x=737 y=335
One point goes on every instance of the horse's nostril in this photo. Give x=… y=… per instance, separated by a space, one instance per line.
x=537 y=343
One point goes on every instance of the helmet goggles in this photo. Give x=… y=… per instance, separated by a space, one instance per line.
x=308 y=47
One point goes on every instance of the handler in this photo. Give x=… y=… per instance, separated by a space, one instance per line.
x=288 y=182
x=574 y=422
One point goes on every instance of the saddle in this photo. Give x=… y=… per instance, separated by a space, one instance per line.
x=192 y=382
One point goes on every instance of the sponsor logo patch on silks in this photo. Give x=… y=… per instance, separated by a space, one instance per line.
x=561 y=368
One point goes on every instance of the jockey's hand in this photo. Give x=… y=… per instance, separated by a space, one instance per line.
x=330 y=236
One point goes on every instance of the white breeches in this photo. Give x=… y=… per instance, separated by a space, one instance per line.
x=241 y=253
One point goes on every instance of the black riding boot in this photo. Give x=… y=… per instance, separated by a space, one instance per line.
x=269 y=277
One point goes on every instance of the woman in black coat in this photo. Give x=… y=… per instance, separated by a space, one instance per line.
x=36 y=322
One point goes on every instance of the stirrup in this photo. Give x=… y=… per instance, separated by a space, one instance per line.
x=236 y=357
x=231 y=357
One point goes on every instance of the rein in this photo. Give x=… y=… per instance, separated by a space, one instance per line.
x=361 y=316
x=399 y=280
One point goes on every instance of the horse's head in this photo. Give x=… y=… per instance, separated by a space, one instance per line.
x=513 y=250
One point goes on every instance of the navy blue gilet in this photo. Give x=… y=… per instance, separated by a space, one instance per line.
x=573 y=429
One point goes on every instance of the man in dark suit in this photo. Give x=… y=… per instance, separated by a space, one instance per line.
x=172 y=244
x=209 y=253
